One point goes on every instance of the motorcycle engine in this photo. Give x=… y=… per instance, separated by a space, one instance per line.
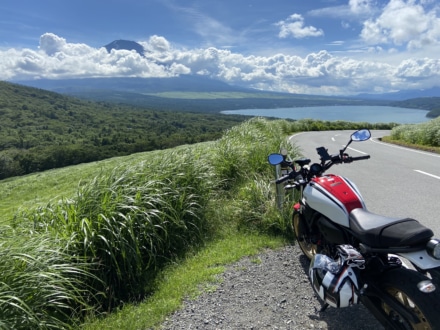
x=335 y=281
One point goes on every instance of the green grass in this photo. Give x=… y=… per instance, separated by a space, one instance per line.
x=40 y=283
x=38 y=189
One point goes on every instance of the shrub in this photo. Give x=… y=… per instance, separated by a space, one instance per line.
x=427 y=133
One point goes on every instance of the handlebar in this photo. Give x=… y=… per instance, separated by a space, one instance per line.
x=333 y=159
x=352 y=159
x=296 y=176
x=340 y=159
x=361 y=157
x=345 y=158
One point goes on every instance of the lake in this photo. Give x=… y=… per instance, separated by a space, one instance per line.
x=369 y=114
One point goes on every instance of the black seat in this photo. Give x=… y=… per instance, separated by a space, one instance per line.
x=378 y=231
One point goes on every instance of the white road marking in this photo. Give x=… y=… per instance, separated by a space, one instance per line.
x=361 y=152
x=428 y=174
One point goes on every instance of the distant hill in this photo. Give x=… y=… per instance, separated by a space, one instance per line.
x=41 y=130
x=185 y=93
x=404 y=95
x=425 y=103
x=184 y=83
x=194 y=93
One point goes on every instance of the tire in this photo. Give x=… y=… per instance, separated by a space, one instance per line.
x=401 y=285
x=307 y=247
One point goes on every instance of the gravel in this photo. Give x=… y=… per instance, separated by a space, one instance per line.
x=267 y=291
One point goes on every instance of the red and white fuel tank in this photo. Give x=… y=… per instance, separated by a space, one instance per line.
x=334 y=197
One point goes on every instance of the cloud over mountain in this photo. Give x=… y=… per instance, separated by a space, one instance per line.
x=394 y=45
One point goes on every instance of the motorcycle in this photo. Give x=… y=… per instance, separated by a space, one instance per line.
x=390 y=265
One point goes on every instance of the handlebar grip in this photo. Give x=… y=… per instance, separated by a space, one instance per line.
x=360 y=158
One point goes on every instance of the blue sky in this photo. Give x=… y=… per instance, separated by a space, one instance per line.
x=241 y=24
x=321 y=47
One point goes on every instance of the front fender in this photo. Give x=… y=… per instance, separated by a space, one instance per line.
x=421 y=259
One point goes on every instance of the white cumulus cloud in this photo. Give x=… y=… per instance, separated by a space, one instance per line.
x=294 y=26
x=361 y=7
x=315 y=73
x=403 y=23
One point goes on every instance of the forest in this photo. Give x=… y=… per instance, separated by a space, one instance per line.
x=426 y=103
x=41 y=130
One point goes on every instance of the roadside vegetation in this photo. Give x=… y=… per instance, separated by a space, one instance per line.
x=425 y=136
x=121 y=243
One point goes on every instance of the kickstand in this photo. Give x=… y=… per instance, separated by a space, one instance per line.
x=324 y=307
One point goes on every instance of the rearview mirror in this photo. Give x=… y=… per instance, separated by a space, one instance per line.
x=275 y=159
x=361 y=135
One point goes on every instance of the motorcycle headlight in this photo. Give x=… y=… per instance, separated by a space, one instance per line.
x=433 y=248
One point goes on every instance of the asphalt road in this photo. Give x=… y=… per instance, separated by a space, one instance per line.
x=395 y=181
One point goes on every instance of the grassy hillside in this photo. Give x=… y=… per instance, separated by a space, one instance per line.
x=40 y=130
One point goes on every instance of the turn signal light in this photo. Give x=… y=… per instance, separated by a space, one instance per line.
x=433 y=248
x=426 y=286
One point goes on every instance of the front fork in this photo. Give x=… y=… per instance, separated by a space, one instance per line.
x=298 y=221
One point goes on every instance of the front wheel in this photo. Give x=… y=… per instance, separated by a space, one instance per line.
x=421 y=309
x=304 y=241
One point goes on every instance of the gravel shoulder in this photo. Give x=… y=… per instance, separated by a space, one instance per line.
x=267 y=291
